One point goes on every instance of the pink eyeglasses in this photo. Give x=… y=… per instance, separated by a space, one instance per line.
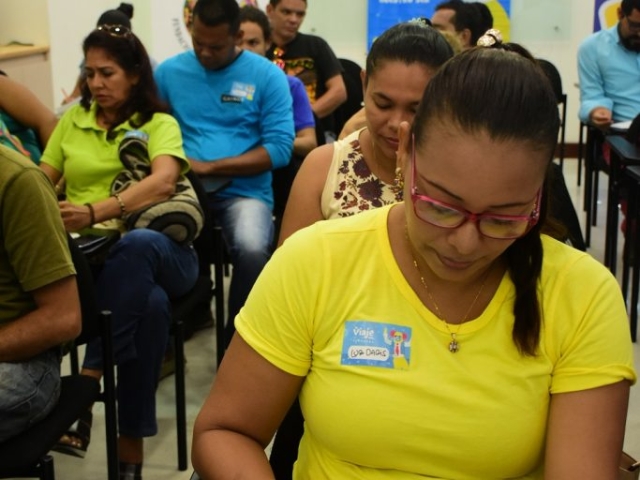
x=440 y=214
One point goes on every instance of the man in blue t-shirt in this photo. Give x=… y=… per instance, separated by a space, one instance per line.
x=234 y=109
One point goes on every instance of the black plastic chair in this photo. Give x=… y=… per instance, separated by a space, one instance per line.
x=556 y=83
x=355 y=95
x=26 y=455
x=197 y=302
x=193 y=304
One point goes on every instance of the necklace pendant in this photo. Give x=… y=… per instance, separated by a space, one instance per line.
x=453 y=344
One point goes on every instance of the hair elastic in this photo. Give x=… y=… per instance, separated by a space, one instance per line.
x=490 y=38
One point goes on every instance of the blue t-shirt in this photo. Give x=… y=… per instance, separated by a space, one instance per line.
x=302 y=113
x=227 y=112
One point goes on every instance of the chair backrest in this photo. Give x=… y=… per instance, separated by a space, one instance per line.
x=353 y=83
x=86 y=292
x=203 y=243
x=554 y=77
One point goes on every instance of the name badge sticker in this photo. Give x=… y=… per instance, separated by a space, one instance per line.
x=243 y=90
x=376 y=344
x=230 y=99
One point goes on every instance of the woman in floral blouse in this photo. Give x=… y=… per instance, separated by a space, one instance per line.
x=358 y=173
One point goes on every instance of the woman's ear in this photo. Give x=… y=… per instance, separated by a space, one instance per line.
x=404 y=146
x=363 y=77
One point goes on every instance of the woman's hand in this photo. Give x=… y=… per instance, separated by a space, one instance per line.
x=74 y=217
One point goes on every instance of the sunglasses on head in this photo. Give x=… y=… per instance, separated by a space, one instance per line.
x=118 y=31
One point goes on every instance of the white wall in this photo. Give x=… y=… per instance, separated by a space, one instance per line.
x=70 y=21
x=24 y=21
x=551 y=29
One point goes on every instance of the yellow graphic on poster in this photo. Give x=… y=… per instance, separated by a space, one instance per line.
x=500 y=18
x=606 y=14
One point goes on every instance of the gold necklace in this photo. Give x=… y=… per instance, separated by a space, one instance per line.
x=454 y=346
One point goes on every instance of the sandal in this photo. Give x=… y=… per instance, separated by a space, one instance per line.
x=76 y=441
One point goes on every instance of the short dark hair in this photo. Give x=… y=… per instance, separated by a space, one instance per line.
x=476 y=17
x=129 y=53
x=409 y=42
x=628 y=5
x=257 y=16
x=504 y=93
x=218 y=12
x=486 y=18
x=276 y=2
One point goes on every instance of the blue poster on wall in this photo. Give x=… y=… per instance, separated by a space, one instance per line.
x=386 y=13
x=606 y=14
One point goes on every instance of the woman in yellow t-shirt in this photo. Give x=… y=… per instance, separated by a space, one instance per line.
x=444 y=337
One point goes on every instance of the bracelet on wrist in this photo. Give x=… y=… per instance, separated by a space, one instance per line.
x=92 y=214
x=123 y=209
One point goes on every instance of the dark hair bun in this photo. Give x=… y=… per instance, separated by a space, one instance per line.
x=127 y=9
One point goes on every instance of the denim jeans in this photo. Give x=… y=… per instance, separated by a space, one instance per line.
x=28 y=392
x=143 y=271
x=247 y=228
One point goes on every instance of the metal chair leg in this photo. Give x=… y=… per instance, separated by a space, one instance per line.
x=109 y=394
x=181 y=403
x=218 y=269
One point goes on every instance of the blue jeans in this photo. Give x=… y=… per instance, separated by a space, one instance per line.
x=28 y=392
x=143 y=271
x=247 y=228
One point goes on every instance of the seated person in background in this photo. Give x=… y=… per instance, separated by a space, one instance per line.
x=359 y=119
x=245 y=131
x=427 y=341
x=467 y=20
x=256 y=37
x=145 y=268
x=310 y=58
x=39 y=306
x=119 y=16
x=358 y=173
x=25 y=117
x=608 y=70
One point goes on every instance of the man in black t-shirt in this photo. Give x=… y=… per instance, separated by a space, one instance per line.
x=309 y=58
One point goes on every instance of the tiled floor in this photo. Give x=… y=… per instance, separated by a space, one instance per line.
x=160 y=451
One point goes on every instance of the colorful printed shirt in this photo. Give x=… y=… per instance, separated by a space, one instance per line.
x=351 y=187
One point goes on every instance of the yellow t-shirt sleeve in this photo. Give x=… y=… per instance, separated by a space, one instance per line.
x=277 y=319
x=590 y=338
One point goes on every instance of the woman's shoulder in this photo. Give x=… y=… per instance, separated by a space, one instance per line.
x=342 y=235
x=563 y=263
x=78 y=116
x=317 y=162
x=351 y=141
x=161 y=120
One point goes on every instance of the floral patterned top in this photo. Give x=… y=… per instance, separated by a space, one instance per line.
x=351 y=187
